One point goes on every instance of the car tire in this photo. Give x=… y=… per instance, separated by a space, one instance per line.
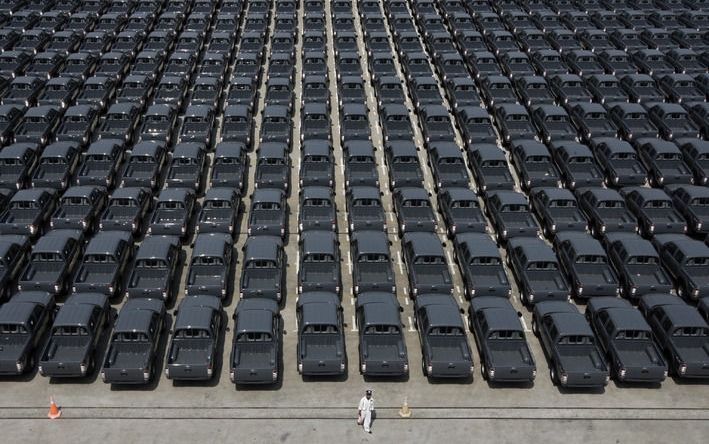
x=483 y=370
x=552 y=374
x=423 y=367
x=522 y=300
x=535 y=327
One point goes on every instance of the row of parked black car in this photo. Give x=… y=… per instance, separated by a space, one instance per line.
x=352 y=122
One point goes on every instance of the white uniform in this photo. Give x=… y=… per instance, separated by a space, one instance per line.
x=366 y=407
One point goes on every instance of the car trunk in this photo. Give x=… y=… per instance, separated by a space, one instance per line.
x=126 y=361
x=189 y=358
x=512 y=360
x=448 y=357
x=321 y=353
x=320 y=275
x=255 y=362
x=382 y=354
x=374 y=276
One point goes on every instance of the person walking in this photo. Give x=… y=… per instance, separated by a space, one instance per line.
x=366 y=409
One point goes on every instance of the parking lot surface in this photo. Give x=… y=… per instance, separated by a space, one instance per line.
x=315 y=73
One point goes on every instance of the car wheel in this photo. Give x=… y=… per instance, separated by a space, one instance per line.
x=483 y=370
x=535 y=327
x=552 y=374
x=423 y=367
x=522 y=300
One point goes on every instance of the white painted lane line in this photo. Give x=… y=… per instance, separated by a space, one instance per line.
x=354 y=324
x=411 y=324
x=400 y=262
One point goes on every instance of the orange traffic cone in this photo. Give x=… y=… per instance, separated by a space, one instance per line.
x=54 y=411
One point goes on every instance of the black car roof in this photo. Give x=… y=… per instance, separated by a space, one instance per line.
x=488 y=151
x=19 y=308
x=220 y=193
x=59 y=149
x=188 y=149
x=424 y=243
x=136 y=314
x=318 y=241
x=479 y=244
x=197 y=312
x=146 y=148
x=55 y=241
x=272 y=150
x=534 y=249
x=106 y=242
x=364 y=192
x=16 y=150
x=317 y=192
x=412 y=193
x=229 y=149
x=174 y=194
x=262 y=247
x=370 y=241
x=210 y=244
x=78 y=308
x=156 y=247
x=255 y=315
x=401 y=148
x=267 y=195
x=442 y=310
x=318 y=308
x=379 y=308
x=316 y=147
x=104 y=146
x=571 y=324
x=460 y=193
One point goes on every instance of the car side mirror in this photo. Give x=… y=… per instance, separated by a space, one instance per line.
x=401 y=310
x=519 y=314
x=461 y=311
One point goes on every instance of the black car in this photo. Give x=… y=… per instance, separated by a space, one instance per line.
x=447 y=163
x=159 y=122
x=444 y=347
x=197 y=124
x=537 y=271
x=173 y=212
x=27 y=212
x=238 y=125
x=685 y=258
x=132 y=352
x=72 y=348
x=490 y=168
x=186 y=166
x=382 y=348
x=53 y=260
x=268 y=213
x=371 y=262
x=510 y=215
x=321 y=339
x=230 y=165
x=575 y=359
x=681 y=333
x=606 y=211
x=120 y=122
x=403 y=164
x=219 y=211
x=534 y=165
x=317 y=209
x=461 y=211
x=414 y=210
x=691 y=201
x=504 y=353
x=577 y=166
x=18 y=163
x=38 y=125
x=24 y=322
x=632 y=121
x=100 y=163
x=637 y=264
x=627 y=340
x=9 y=118
x=654 y=210
x=14 y=252
x=360 y=163
x=586 y=266
x=620 y=162
x=155 y=269
x=263 y=272
x=592 y=121
x=145 y=165
x=105 y=264
x=78 y=124
x=126 y=210
x=557 y=211
x=210 y=269
x=696 y=155
x=256 y=354
x=193 y=350
x=554 y=123
x=319 y=268
x=273 y=166
x=481 y=266
x=665 y=162
x=426 y=264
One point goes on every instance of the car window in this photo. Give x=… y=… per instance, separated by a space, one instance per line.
x=12 y=329
x=505 y=335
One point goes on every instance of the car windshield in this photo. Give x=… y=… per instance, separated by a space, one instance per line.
x=542 y=265
x=429 y=260
x=576 y=340
x=506 y=335
x=560 y=203
x=591 y=259
x=610 y=204
x=415 y=203
x=371 y=257
x=318 y=257
x=70 y=330
x=151 y=263
x=261 y=263
x=12 y=329
x=253 y=337
x=207 y=260
x=192 y=333
x=445 y=331
x=320 y=329
x=696 y=262
x=488 y=260
x=130 y=336
x=639 y=335
x=47 y=257
x=381 y=330
x=691 y=331
x=23 y=205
